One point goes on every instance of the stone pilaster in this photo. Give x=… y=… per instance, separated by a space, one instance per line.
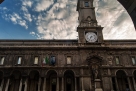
x=39 y=83
x=44 y=84
x=134 y=83
x=57 y=83
x=26 y=84
x=20 y=86
x=129 y=84
x=117 y=87
x=2 y=83
x=75 y=84
x=7 y=85
x=62 y=84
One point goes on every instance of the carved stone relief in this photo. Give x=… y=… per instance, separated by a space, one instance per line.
x=110 y=60
x=105 y=72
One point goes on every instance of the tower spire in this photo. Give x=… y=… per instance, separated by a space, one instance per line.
x=86 y=12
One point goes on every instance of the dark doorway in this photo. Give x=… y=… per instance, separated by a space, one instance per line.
x=14 y=81
x=122 y=81
x=68 y=87
x=68 y=83
x=69 y=80
x=53 y=87
x=33 y=81
x=51 y=81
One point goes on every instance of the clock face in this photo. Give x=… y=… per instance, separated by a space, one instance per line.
x=91 y=37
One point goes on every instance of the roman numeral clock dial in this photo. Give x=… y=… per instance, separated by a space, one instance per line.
x=91 y=37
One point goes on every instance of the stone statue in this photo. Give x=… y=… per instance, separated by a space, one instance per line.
x=110 y=59
x=95 y=72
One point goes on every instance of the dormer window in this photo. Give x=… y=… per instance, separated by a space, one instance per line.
x=36 y=60
x=86 y=4
x=2 y=60
x=19 y=60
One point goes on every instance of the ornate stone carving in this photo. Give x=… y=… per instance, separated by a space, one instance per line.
x=110 y=60
x=60 y=72
x=105 y=72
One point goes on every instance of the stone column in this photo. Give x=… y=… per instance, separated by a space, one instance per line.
x=75 y=84
x=20 y=86
x=129 y=83
x=26 y=84
x=7 y=85
x=2 y=83
x=82 y=81
x=111 y=84
x=117 y=87
x=39 y=83
x=82 y=84
x=90 y=84
x=44 y=84
x=62 y=84
x=134 y=83
x=57 y=83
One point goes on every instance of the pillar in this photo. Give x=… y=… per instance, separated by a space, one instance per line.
x=57 y=83
x=129 y=84
x=111 y=86
x=26 y=84
x=44 y=84
x=39 y=84
x=75 y=84
x=7 y=85
x=117 y=87
x=90 y=83
x=82 y=81
x=20 y=87
x=134 y=83
x=62 y=84
x=82 y=84
x=2 y=83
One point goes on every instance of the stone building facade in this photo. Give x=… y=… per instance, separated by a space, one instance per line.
x=78 y=66
x=87 y=64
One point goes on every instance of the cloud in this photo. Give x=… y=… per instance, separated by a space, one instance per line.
x=27 y=3
x=16 y=19
x=59 y=19
x=32 y=33
x=27 y=16
x=26 y=13
x=115 y=20
x=43 y=5
x=59 y=22
x=4 y=8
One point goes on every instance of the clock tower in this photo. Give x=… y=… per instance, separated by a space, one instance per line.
x=88 y=30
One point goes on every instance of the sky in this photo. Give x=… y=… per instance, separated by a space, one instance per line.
x=58 y=19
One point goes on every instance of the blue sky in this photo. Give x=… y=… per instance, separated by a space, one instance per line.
x=58 y=19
